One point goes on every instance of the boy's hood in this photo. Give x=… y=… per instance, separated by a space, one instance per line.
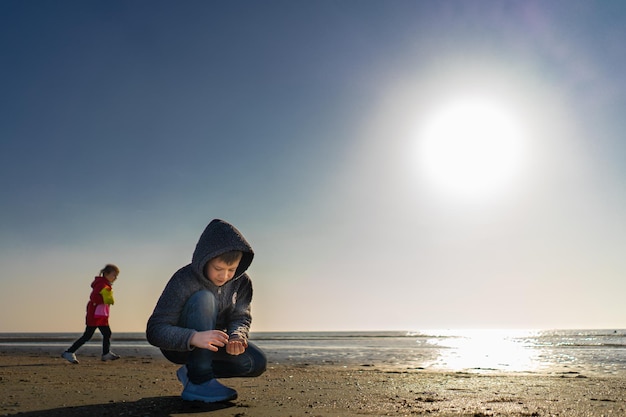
x=220 y=237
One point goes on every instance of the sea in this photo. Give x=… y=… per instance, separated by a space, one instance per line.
x=564 y=352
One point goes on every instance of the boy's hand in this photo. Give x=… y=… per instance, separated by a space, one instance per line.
x=236 y=346
x=209 y=339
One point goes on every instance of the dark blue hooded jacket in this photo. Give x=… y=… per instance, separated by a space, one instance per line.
x=234 y=297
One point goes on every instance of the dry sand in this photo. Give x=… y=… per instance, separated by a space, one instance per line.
x=43 y=384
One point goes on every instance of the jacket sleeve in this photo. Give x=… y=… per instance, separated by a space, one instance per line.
x=107 y=295
x=162 y=329
x=241 y=318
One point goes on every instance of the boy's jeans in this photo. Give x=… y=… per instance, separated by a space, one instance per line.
x=200 y=313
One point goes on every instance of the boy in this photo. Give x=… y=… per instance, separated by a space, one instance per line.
x=202 y=318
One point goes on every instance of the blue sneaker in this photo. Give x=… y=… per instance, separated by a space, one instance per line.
x=209 y=392
x=181 y=374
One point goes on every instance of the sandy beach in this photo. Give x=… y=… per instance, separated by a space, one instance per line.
x=36 y=383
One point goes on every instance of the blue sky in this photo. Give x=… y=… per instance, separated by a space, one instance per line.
x=128 y=126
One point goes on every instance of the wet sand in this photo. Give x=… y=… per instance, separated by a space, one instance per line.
x=36 y=383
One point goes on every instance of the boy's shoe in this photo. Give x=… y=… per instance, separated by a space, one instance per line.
x=209 y=392
x=181 y=374
x=70 y=357
x=110 y=357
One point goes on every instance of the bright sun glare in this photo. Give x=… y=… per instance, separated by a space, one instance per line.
x=471 y=148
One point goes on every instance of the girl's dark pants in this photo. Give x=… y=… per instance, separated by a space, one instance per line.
x=200 y=313
x=89 y=331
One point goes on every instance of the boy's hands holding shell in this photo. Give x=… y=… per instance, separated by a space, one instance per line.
x=236 y=346
x=215 y=339
x=209 y=339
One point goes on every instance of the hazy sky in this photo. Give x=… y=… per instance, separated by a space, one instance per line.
x=126 y=126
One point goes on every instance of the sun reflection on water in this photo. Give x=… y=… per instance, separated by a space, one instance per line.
x=486 y=350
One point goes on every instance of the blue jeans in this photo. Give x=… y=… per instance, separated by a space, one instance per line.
x=200 y=313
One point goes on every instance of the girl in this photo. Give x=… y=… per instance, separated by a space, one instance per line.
x=100 y=300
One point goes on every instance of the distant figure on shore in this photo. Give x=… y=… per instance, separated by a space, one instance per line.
x=202 y=318
x=98 y=309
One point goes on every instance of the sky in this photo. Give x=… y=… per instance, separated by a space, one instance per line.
x=125 y=127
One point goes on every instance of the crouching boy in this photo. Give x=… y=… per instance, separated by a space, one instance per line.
x=202 y=319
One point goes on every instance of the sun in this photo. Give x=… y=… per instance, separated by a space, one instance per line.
x=471 y=148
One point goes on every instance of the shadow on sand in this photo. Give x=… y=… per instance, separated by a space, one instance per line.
x=153 y=407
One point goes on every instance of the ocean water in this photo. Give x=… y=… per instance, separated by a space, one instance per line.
x=582 y=352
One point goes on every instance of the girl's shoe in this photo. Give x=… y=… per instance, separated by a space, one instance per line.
x=209 y=392
x=110 y=357
x=70 y=357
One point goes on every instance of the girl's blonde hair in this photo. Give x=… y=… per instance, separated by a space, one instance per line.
x=108 y=269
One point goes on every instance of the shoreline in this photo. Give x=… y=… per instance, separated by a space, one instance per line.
x=41 y=384
x=594 y=352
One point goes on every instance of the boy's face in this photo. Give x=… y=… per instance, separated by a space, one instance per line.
x=219 y=272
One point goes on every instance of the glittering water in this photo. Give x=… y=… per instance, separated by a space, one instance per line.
x=484 y=351
x=557 y=351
